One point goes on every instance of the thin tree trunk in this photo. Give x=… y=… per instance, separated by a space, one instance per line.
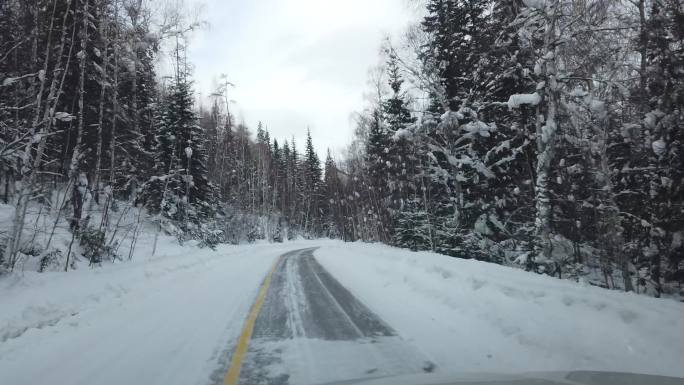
x=103 y=93
x=546 y=128
x=23 y=198
x=71 y=244
x=8 y=175
x=56 y=221
x=115 y=113
x=74 y=167
x=134 y=85
x=643 y=95
x=136 y=234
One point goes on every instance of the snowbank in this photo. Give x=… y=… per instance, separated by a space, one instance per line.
x=469 y=316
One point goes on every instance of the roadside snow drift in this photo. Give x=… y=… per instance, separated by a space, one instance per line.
x=469 y=316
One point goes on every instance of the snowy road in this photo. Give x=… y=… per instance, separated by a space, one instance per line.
x=333 y=311
x=311 y=329
x=177 y=319
x=171 y=320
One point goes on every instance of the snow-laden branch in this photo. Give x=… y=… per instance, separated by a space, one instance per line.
x=517 y=100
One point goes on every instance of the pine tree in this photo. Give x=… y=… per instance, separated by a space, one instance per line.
x=180 y=189
x=333 y=224
x=400 y=159
x=378 y=162
x=454 y=46
x=505 y=70
x=263 y=164
x=277 y=177
x=413 y=229
x=664 y=214
x=312 y=175
x=294 y=191
x=134 y=141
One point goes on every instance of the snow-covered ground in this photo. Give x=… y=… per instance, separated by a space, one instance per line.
x=175 y=319
x=469 y=316
x=170 y=320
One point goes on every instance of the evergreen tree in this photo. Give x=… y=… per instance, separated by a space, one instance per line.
x=277 y=177
x=180 y=189
x=312 y=175
x=455 y=42
x=664 y=187
x=333 y=224
x=413 y=229
x=400 y=158
x=505 y=70
x=378 y=162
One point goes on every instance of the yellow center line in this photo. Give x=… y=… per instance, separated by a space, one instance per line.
x=240 y=353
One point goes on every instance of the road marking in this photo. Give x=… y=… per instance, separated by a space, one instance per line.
x=240 y=353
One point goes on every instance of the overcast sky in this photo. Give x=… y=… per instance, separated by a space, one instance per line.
x=296 y=63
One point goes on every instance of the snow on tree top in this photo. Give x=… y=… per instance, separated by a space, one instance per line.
x=659 y=147
x=515 y=101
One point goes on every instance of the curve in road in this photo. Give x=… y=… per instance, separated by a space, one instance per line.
x=311 y=329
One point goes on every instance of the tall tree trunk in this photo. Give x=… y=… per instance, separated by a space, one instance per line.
x=115 y=114
x=614 y=237
x=29 y=169
x=103 y=94
x=643 y=95
x=546 y=128
x=78 y=183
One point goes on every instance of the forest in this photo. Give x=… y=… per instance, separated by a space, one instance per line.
x=542 y=134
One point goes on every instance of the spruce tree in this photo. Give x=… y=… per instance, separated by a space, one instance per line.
x=377 y=161
x=332 y=223
x=312 y=175
x=455 y=43
x=413 y=229
x=662 y=124
x=400 y=157
x=180 y=188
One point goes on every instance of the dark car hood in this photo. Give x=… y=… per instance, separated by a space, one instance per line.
x=541 y=378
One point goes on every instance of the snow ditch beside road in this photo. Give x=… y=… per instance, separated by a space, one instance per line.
x=470 y=316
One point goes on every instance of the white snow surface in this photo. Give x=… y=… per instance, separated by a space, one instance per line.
x=469 y=316
x=64 y=116
x=659 y=147
x=517 y=100
x=175 y=318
